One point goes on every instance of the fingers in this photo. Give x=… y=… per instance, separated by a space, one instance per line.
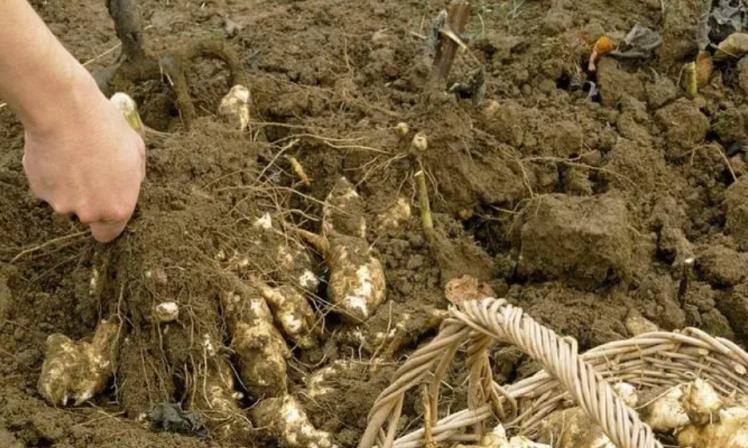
x=108 y=226
x=105 y=232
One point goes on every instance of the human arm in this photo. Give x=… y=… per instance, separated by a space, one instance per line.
x=80 y=155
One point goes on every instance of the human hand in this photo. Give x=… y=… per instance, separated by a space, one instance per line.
x=87 y=160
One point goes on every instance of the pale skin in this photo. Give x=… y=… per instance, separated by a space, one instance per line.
x=80 y=155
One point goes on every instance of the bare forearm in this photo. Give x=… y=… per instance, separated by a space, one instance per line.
x=39 y=78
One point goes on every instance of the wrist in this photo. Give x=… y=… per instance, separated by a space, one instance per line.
x=67 y=99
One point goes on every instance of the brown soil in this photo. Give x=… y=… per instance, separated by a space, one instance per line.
x=581 y=211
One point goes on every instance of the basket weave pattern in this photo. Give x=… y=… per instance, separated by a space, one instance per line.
x=649 y=360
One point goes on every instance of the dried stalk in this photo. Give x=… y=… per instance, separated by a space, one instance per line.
x=458 y=14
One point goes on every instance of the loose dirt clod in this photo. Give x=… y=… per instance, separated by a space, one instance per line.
x=78 y=370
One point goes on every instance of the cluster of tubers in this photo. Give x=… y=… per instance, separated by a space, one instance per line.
x=265 y=317
x=694 y=413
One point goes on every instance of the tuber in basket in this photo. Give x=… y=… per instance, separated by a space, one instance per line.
x=658 y=359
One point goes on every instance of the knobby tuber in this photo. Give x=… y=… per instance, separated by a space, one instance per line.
x=730 y=430
x=234 y=107
x=394 y=216
x=78 y=370
x=292 y=311
x=259 y=347
x=295 y=266
x=666 y=413
x=356 y=287
x=288 y=421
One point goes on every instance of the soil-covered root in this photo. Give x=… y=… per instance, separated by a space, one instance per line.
x=323 y=382
x=213 y=393
x=259 y=346
x=344 y=211
x=573 y=428
x=391 y=330
x=288 y=422
x=293 y=264
x=79 y=370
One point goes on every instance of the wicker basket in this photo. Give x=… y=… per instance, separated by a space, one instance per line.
x=649 y=360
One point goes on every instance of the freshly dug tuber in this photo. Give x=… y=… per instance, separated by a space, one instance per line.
x=292 y=311
x=394 y=216
x=356 y=286
x=637 y=324
x=701 y=402
x=402 y=129
x=357 y=283
x=259 y=347
x=78 y=370
x=730 y=430
x=573 y=428
x=234 y=107
x=288 y=422
x=420 y=142
x=666 y=413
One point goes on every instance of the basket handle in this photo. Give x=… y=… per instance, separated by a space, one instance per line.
x=558 y=356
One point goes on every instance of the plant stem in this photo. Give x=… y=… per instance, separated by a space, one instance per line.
x=423 y=198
